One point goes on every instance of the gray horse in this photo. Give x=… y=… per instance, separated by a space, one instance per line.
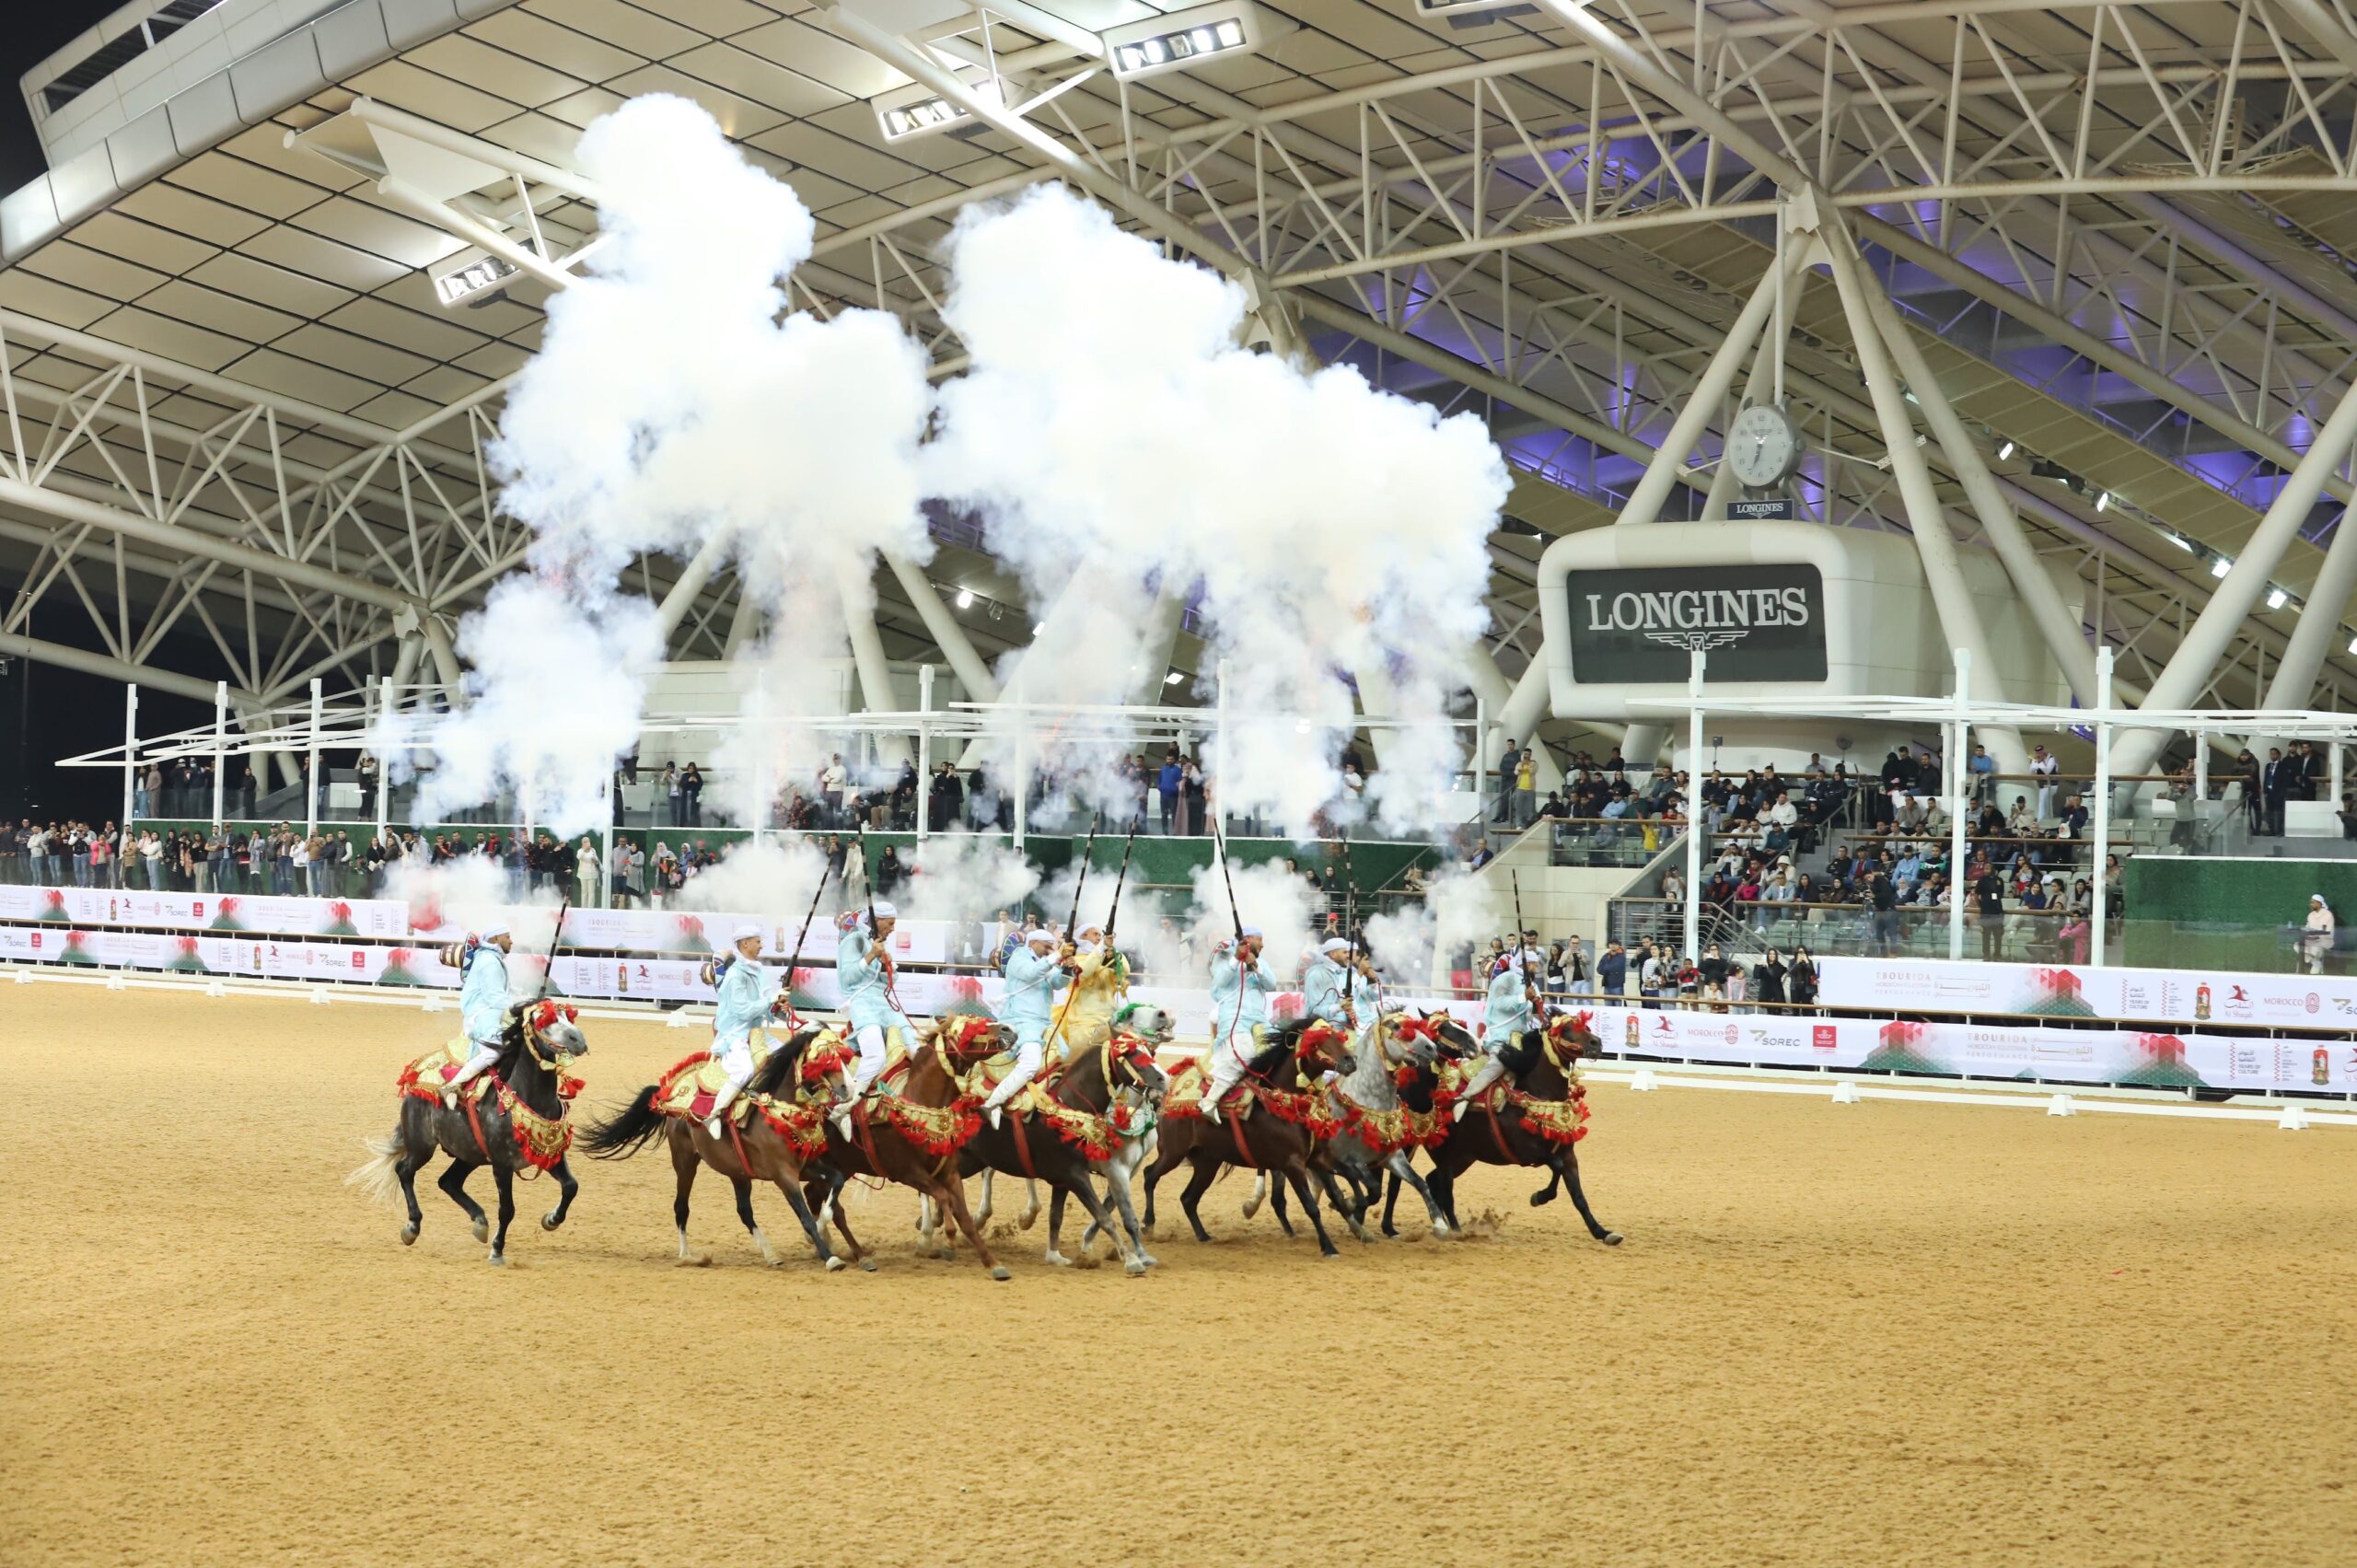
x=540 y=1037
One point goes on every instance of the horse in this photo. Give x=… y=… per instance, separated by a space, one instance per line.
x=1384 y=1104
x=1539 y=1126
x=518 y=1122
x=1097 y=1115
x=914 y=1137
x=1277 y=1136
x=774 y=1144
x=1150 y=1024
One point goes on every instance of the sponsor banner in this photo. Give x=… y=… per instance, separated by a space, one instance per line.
x=2176 y=996
x=2027 y=1051
x=697 y=931
x=1636 y=626
x=95 y=907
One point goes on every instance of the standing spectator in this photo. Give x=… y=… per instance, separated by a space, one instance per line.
x=1509 y=760
x=586 y=873
x=2316 y=937
x=151 y=784
x=890 y=873
x=1612 y=971
x=1167 y=783
x=1984 y=768
x=2043 y=766
x=151 y=854
x=1194 y=801
x=669 y=787
x=692 y=792
x=1768 y=980
x=832 y=779
x=2275 y=787
x=1883 y=899
x=1800 y=978
x=1526 y=788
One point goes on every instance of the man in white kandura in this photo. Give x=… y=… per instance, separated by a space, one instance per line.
x=863 y=970
x=744 y=1004
x=482 y=1004
x=1032 y=972
x=1241 y=987
x=1506 y=1015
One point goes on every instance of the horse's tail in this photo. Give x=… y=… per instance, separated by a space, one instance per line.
x=378 y=1181
x=626 y=1131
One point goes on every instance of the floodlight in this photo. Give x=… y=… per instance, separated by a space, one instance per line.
x=1173 y=679
x=965 y=598
x=2103 y=500
x=2275 y=598
x=2005 y=451
x=918 y=110
x=1452 y=10
x=1180 y=38
x=471 y=277
x=2221 y=566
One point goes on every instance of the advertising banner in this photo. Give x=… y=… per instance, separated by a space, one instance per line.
x=206 y=912
x=1635 y=625
x=2174 y=996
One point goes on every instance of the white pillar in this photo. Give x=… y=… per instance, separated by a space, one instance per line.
x=1698 y=660
x=924 y=751
x=1481 y=755
x=311 y=789
x=1943 y=571
x=2201 y=775
x=2319 y=628
x=1020 y=783
x=1164 y=623
x=446 y=660
x=220 y=745
x=2189 y=669
x=1959 y=789
x=1722 y=482
x=867 y=658
x=1216 y=791
x=386 y=701
x=2100 y=919
x=760 y=782
x=2055 y=621
x=129 y=749
x=604 y=888
x=942 y=628
x=684 y=593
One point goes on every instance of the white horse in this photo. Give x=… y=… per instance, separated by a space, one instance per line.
x=1375 y=1054
x=1153 y=1026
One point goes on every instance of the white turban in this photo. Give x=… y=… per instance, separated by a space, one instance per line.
x=745 y=930
x=882 y=910
x=1042 y=934
x=496 y=928
x=1334 y=945
x=1253 y=931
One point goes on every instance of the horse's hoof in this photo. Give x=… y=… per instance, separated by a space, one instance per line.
x=498 y=1261
x=1058 y=1260
x=549 y=1220
x=482 y=1230
x=1134 y=1267
x=835 y=1265
x=1027 y=1219
x=1540 y=1200
x=1613 y=1238
x=408 y=1235
x=867 y=1265
x=1442 y=1233
x=1001 y=1272
x=1149 y=1260
x=1330 y=1252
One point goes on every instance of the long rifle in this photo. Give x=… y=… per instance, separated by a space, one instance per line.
x=1071 y=921
x=826 y=869
x=884 y=954
x=1351 y=919
x=1072 y=991
x=1529 y=991
x=550 y=964
x=1219 y=844
x=1115 y=911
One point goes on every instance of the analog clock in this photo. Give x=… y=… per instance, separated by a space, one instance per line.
x=1763 y=447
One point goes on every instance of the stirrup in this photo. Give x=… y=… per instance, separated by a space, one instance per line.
x=449 y=1100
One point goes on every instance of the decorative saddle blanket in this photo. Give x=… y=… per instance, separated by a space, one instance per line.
x=424 y=1078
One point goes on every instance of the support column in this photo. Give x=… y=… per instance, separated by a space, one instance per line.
x=1525 y=699
x=130 y=749
x=220 y=745
x=2099 y=918
x=924 y=751
x=957 y=648
x=1959 y=789
x=1943 y=571
x=1697 y=660
x=2312 y=634
x=312 y=785
x=2206 y=641
x=605 y=889
x=445 y=659
x=761 y=780
x=690 y=587
x=1722 y=482
x=743 y=622
x=384 y=708
x=1163 y=623
x=867 y=657
x=2055 y=622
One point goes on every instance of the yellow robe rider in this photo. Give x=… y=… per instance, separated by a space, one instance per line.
x=1100 y=983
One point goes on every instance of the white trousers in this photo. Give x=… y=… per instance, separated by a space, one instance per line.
x=1229 y=1059
x=486 y=1051
x=870 y=1065
x=736 y=1061
x=1028 y=1051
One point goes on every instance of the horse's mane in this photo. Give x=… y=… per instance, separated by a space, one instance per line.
x=776 y=1073
x=1281 y=1042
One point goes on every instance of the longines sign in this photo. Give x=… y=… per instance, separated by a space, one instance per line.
x=1636 y=626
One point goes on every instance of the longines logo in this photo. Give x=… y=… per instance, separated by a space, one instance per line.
x=1630 y=624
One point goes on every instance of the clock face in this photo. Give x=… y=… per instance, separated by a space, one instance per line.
x=1762 y=447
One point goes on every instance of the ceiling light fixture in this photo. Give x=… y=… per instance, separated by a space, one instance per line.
x=1179 y=40
x=2103 y=500
x=917 y=110
x=470 y=277
x=2005 y=451
x=2276 y=598
x=2221 y=566
x=965 y=598
x=1173 y=679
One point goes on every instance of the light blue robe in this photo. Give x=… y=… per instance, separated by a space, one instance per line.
x=1239 y=999
x=1321 y=993
x=482 y=998
x=1029 y=1003
x=860 y=972
x=1506 y=1013
x=744 y=1003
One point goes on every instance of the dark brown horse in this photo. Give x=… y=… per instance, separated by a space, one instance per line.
x=914 y=1137
x=1277 y=1136
x=1078 y=1135
x=518 y=1124
x=1534 y=1126
x=802 y=1081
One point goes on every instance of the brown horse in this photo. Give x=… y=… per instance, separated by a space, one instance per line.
x=1079 y=1133
x=914 y=1138
x=1540 y=1102
x=519 y=1123
x=1284 y=1075
x=760 y=1150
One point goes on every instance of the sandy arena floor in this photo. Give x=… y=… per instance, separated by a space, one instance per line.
x=1836 y=1335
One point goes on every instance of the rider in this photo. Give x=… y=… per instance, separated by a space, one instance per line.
x=482 y=1002
x=1507 y=1017
x=1032 y=971
x=861 y=964
x=1241 y=987
x=744 y=1003
x=1325 y=991
x=1100 y=980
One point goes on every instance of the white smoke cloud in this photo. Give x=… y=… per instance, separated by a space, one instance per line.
x=771 y=879
x=1414 y=943
x=670 y=406
x=965 y=877
x=1277 y=900
x=1111 y=433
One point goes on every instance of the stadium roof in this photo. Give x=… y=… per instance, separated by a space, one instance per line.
x=239 y=406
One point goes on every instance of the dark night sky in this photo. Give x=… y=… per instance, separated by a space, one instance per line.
x=47 y=713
